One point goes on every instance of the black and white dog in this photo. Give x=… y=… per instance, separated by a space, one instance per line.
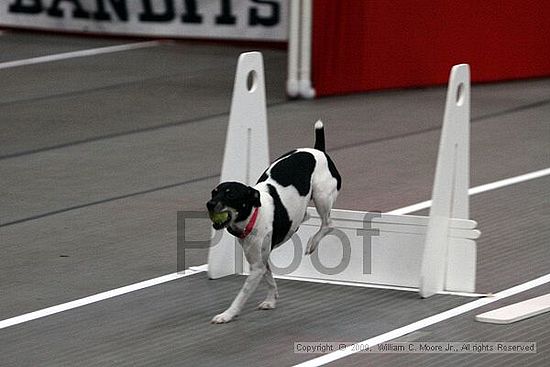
x=266 y=215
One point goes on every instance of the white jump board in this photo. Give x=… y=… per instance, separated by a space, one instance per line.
x=517 y=311
x=391 y=256
x=434 y=254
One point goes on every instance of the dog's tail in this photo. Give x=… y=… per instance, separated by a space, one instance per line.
x=319 y=136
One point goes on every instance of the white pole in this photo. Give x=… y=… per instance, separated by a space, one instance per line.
x=306 y=90
x=246 y=151
x=292 y=88
x=450 y=190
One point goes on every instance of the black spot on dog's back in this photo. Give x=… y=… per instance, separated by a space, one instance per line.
x=334 y=172
x=295 y=170
x=281 y=220
x=265 y=176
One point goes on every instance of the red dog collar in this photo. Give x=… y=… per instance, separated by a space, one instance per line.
x=250 y=225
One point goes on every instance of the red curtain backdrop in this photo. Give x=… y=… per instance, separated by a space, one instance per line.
x=361 y=45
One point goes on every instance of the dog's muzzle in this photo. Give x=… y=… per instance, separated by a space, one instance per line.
x=218 y=215
x=213 y=205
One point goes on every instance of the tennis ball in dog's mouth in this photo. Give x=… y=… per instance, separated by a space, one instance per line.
x=219 y=217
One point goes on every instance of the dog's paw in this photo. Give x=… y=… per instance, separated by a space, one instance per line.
x=266 y=305
x=222 y=318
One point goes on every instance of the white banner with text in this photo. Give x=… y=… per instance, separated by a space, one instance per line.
x=262 y=20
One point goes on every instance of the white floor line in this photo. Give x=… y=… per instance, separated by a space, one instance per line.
x=421 y=324
x=94 y=298
x=80 y=53
x=478 y=189
x=194 y=270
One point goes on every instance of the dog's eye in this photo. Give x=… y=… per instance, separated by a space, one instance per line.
x=230 y=194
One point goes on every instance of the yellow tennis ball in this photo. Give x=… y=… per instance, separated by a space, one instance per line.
x=218 y=217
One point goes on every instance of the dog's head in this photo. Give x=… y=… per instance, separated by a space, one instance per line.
x=231 y=202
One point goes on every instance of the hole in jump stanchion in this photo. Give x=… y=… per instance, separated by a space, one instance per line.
x=251 y=81
x=460 y=95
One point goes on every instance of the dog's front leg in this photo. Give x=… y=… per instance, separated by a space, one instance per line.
x=272 y=294
x=256 y=273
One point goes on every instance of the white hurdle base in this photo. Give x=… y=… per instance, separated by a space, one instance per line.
x=435 y=253
x=377 y=249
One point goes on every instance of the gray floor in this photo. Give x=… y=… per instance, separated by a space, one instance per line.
x=464 y=328
x=98 y=154
x=168 y=325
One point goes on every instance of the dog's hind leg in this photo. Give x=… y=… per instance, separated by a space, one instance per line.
x=323 y=204
x=272 y=293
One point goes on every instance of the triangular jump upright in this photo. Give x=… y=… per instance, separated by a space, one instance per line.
x=246 y=151
x=451 y=183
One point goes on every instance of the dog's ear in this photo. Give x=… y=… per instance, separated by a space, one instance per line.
x=255 y=197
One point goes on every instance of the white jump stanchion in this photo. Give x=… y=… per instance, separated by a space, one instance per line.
x=306 y=89
x=299 y=50
x=451 y=183
x=246 y=153
x=292 y=87
x=431 y=253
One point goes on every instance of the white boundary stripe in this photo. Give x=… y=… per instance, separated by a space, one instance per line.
x=431 y=320
x=477 y=190
x=195 y=270
x=80 y=53
x=95 y=298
